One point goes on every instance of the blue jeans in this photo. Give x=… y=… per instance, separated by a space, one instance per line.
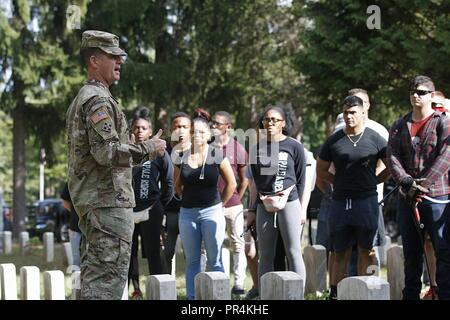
x=197 y=224
x=75 y=241
x=435 y=218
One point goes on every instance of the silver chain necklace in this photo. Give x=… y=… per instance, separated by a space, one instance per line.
x=355 y=142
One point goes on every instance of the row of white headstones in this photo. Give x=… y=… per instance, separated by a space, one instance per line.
x=209 y=285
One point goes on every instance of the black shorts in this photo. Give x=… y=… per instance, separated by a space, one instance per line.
x=353 y=221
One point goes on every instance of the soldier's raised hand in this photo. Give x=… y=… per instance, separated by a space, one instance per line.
x=157 y=145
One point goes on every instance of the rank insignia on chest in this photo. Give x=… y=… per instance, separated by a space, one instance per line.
x=107 y=127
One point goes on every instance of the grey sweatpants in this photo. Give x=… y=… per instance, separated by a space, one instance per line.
x=288 y=222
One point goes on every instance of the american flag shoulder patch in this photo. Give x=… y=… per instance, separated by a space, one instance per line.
x=99 y=115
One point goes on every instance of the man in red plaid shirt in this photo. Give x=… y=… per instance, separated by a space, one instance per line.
x=419 y=160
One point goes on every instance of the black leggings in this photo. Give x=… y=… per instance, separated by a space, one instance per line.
x=133 y=271
x=170 y=239
x=149 y=231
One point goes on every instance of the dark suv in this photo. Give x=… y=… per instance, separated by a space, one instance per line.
x=48 y=215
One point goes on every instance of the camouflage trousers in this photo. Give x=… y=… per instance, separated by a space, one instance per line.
x=105 y=252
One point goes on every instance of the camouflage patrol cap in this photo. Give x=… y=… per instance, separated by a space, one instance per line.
x=105 y=41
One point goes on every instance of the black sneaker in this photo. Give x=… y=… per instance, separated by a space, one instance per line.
x=332 y=296
x=252 y=294
x=238 y=290
x=333 y=293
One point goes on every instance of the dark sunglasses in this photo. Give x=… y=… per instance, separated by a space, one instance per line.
x=420 y=92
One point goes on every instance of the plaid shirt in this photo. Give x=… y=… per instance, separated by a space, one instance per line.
x=430 y=159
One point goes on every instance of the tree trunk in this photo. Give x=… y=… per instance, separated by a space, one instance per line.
x=253 y=112
x=160 y=118
x=161 y=57
x=19 y=167
x=329 y=125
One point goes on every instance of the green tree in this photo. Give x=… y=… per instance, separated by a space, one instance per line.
x=5 y=155
x=340 y=52
x=215 y=54
x=39 y=51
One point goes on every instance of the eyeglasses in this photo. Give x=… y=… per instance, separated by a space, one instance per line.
x=215 y=123
x=420 y=92
x=273 y=120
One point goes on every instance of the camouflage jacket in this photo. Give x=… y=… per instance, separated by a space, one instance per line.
x=100 y=154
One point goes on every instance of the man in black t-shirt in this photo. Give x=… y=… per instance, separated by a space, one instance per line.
x=354 y=153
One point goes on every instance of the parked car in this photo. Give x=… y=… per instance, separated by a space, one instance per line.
x=48 y=215
x=7 y=218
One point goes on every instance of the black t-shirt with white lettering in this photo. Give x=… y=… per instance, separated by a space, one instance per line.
x=355 y=166
x=281 y=170
x=153 y=181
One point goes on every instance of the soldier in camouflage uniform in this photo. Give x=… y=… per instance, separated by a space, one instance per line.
x=100 y=157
